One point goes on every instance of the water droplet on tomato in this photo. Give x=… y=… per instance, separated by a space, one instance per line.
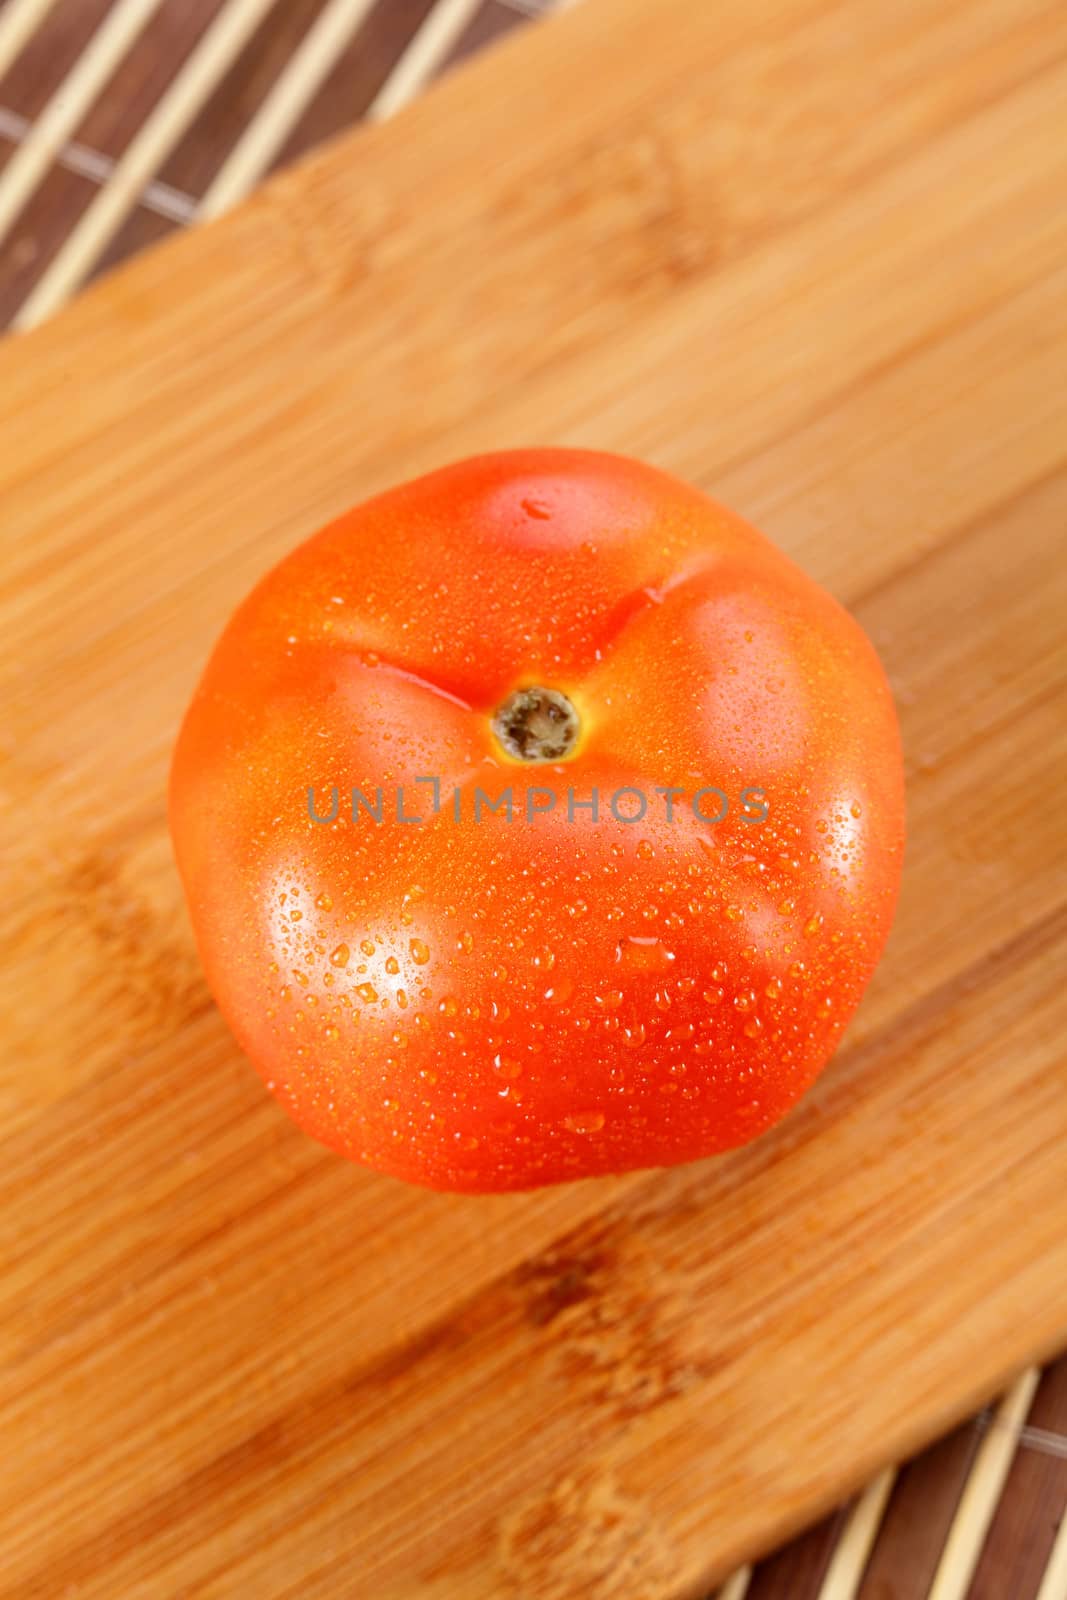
x=610 y=1000
x=585 y=1122
x=643 y=953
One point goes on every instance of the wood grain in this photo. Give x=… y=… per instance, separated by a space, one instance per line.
x=812 y=259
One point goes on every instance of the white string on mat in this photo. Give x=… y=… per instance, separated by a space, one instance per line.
x=425 y=53
x=50 y=131
x=88 y=163
x=19 y=21
x=529 y=8
x=1054 y=1582
x=149 y=148
x=1050 y=1444
x=982 y=1491
x=283 y=107
x=736 y=1587
x=853 y=1549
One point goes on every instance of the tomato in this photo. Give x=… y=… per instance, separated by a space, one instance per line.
x=539 y=819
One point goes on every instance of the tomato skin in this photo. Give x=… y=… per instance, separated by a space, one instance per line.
x=495 y=1005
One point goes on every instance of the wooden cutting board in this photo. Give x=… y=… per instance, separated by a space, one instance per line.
x=814 y=258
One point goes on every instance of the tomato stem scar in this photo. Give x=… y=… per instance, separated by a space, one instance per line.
x=536 y=724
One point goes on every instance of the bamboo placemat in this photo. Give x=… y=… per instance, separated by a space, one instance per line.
x=122 y=120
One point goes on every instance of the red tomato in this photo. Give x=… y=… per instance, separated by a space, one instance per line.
x=483 y=1002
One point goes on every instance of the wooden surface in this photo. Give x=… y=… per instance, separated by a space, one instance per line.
x=813 y=260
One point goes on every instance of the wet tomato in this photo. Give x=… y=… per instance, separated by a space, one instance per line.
x=539 y=819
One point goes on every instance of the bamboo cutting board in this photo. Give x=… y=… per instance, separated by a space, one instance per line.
x=814 y=259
